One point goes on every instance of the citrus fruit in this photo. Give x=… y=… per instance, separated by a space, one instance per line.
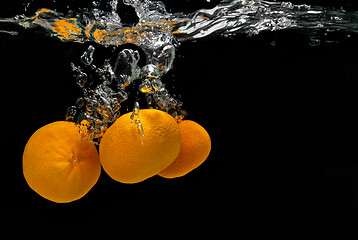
x=60 y=164
x=128 y=156
x=195 y=148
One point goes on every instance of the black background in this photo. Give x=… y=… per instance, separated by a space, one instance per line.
x=279 y=111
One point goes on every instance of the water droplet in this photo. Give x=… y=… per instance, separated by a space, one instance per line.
x=135 y=112
x=287 y=5
x=81 y=79
x=80 y=102
x=146 y=86
x=126 y=67
x=87 y=57
x=70 y=113
x=135 y=119
x=150 y=71
x=314 y=42
x=140 y=129
x=95 y=3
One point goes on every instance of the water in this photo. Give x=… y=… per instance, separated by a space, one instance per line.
x=257 y=16
x=158 y=33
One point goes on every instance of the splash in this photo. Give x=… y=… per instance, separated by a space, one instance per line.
x=256 y=16
x=100 y=107
x=157 y=33
x=157 y=27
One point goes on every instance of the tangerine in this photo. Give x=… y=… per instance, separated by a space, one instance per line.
x=195 y=148
x=130 y=155
x=59 y=163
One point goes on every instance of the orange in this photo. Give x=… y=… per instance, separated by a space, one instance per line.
x=60 y=164
x=128 y=157
x=195 y=148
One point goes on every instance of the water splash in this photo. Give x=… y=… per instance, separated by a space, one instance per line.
x=157 y=28
x=157 y=33
x=257 y=16
x=100 y=106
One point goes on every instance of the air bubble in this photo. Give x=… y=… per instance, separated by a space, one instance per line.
x=135 y=119
x=71 y=113
x=80 y=102
x=87 y=57
x=81 y=79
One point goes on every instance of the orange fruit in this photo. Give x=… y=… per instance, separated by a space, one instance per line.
x=128 y=157
x=59 y=163
x=195 y=148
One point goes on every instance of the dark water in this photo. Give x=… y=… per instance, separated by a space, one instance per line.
x=278 y=106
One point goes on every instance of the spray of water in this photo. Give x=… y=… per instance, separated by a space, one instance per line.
x=257 y=16
x=157 y=33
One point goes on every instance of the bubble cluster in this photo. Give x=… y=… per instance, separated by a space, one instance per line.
x=100 y=106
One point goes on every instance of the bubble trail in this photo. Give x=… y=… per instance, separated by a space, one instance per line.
x=135 y=119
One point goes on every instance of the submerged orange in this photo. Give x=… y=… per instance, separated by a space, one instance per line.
x=195 y=148
x=59 y=163
x=129 y=157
